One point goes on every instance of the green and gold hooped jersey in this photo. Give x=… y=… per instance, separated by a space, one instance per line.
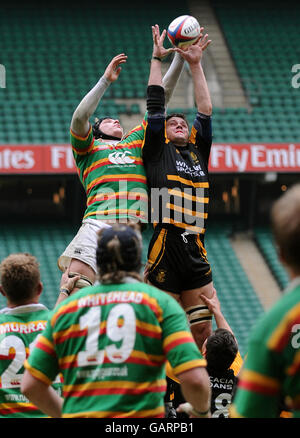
x=112 y=175
x=19 y=331
x=111 y=343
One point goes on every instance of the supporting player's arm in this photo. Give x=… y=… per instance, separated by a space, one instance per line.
x=80 y=121
x=172 y=76
x=214 y=306
x=195 y=387
x=67 y=286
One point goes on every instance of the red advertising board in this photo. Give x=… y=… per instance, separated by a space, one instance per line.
x=248 y=158
x=36 y=159
x=224 y=158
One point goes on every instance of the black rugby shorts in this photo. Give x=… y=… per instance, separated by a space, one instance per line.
x=178 y=260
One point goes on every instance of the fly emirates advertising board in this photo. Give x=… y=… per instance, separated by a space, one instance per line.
x=224 y=158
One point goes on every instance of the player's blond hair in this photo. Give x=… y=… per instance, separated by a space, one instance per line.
x=285 y=217
x=20 y=276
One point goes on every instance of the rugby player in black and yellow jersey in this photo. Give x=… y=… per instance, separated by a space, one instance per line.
x=176 y=166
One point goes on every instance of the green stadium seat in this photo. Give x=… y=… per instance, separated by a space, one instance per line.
x=252 y=38
x=240 y=304
x=265 y=242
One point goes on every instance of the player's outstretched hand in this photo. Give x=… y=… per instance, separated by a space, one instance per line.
x=193 y=53
x=113 y=69
x=158 y=43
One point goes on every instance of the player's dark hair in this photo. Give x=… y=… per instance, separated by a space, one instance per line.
x=221 y=350
x=181 y=115
x=119 y=253
x=98 y=133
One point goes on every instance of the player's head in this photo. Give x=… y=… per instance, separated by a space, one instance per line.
x=20 y=278
x=107 y=128
x=285 y=218
x=118 y=253
x=220 y=350
x=177 y=129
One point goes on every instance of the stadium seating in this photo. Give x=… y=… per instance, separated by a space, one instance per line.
x=54 y=55
x=264 y=68
x=46 y=241
x=240 y=304
x=263 y=39
x=267 y=247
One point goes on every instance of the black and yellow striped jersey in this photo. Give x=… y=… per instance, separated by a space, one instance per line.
x=177 y=177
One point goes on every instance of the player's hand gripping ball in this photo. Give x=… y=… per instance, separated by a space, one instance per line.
x=183 y=31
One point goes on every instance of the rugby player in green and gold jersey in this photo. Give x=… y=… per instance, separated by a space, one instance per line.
x=111 y=343
x=110 y=167
x=271 y=372
x=22 y=320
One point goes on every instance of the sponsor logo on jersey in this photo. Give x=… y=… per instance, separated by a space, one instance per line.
x=121 y=157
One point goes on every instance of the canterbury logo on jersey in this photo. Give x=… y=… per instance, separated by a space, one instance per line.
x=121 y=158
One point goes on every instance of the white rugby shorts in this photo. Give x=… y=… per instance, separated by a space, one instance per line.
x=83 y=246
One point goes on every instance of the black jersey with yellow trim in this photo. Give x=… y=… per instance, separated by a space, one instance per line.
x=178 y=176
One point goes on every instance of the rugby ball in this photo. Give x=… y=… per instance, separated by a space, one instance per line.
x=183 y=31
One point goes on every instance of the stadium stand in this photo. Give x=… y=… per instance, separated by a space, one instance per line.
x=240 y=304
x=263 y=41
x=54 y=55
x=46 y=241
x=265 y=242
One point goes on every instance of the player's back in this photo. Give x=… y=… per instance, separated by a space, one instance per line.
x=222 y=389
x=111 y=342
x=19 y=328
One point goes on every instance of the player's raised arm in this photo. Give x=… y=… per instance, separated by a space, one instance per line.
x=193 y=56
x=80 y=124
x=159 y=52
x=155 y=133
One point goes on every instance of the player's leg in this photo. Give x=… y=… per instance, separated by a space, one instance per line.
x=80 y=255
x=198 y=314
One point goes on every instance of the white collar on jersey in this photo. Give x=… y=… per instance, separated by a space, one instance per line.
x=22 y=309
